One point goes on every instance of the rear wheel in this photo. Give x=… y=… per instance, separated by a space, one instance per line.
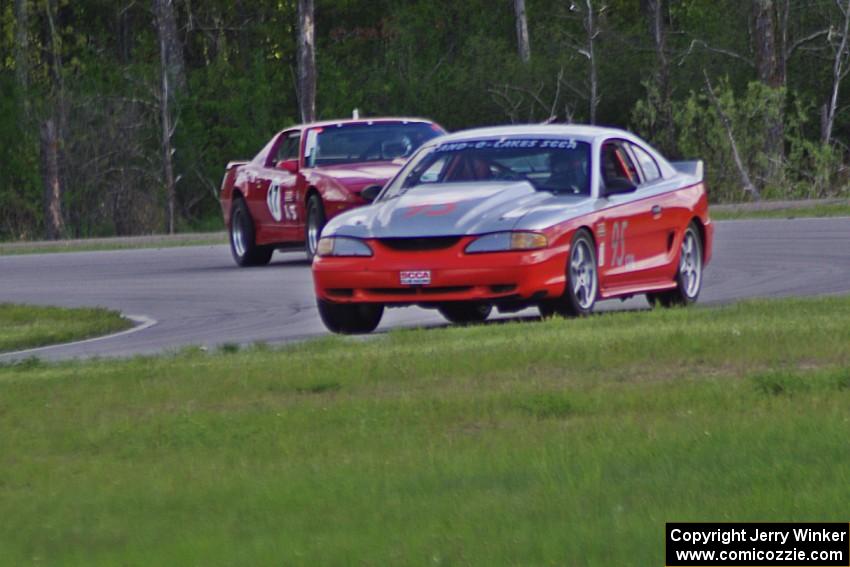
x=582 y=280
x=243 y=246
x=689 y=275
x=315 y=224
x=465 y=313
x=350 y=318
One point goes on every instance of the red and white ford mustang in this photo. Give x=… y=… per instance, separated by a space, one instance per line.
x=549 y=216
x=308 y=174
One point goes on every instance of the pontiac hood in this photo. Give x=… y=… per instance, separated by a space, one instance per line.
x=455 y=209
x=360 y=175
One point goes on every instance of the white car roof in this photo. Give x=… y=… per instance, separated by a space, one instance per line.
x=571 y=130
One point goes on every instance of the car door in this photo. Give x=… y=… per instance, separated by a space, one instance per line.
x=630 y=222
x=669 y=214
x=276 y=195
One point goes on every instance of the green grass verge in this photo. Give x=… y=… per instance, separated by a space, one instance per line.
x=550 y=443
x=816 y=211
x=29 y=326
x=116 y=243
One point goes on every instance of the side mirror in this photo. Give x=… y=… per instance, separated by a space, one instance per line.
x=371 y=192
x=290 y=165
x=618 y=185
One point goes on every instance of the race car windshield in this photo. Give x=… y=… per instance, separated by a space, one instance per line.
x=358 y=143
x=555 y=165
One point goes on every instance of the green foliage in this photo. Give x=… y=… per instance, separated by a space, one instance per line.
x=702 y=133
x=229 y=114
x=816 y=170
x=454 y=62
x=20 y=182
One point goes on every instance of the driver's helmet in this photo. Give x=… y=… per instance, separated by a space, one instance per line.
x=568 y=167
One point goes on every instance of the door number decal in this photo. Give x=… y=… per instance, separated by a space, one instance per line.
x=273 y=201
x=287 y=209
x=618 y=244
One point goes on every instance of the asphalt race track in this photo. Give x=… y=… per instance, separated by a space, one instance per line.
x=197 y=296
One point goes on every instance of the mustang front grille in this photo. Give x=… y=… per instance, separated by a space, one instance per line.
x=417 y=244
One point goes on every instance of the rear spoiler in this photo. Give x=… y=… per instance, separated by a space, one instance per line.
x=693 y=168
x=230 y=172
x=232 y=164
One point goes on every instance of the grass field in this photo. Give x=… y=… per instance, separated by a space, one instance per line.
x=538 y=443
x=29 y=326
x=820 y=210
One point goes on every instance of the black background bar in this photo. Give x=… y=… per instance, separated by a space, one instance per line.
x=739 y=540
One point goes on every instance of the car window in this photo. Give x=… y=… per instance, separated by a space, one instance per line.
x=650 y=169
x=556 y=165
x=434 y=172
x=616 y=164
x=366 y=142
x=288 y=147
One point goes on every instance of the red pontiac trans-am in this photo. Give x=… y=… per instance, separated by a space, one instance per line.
x=308 y=174
x=512 y=217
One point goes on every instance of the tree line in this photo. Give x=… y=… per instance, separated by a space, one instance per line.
x=118 y=116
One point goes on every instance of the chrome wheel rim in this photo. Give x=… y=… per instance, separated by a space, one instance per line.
x=312 y=231
x=583 y=274
x=236 y=234
x=690 y=264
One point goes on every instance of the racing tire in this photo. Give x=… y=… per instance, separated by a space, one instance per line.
x=688 y=275
x=350 y=318
x=465 y=313
x=315 y=223
x=582 y=286
x=243 y=246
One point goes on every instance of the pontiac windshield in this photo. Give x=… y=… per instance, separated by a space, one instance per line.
x=358 y=143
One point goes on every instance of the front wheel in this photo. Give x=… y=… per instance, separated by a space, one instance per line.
x=689 y=275
x=243 y=246
x=465 y=313
x=315 y=224
x=350 y=318
x=582 y=280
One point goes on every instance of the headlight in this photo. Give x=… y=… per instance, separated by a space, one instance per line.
x=505 y=241
x=342 y=246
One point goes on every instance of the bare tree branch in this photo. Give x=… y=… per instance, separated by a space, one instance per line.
x=727 y=125
x=721 y=51
x=838 y=71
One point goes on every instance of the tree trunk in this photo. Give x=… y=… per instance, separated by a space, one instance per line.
x=658 y=31
x=523 y=44
x=53 y=222
x=838 y=73
x=172 y=84
x=306 y=61
x=52 y=131
x=770 y=68
x=124 y=33
x=166 y=132
x=22 y=47
x=166 y=27
x=590 y=28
